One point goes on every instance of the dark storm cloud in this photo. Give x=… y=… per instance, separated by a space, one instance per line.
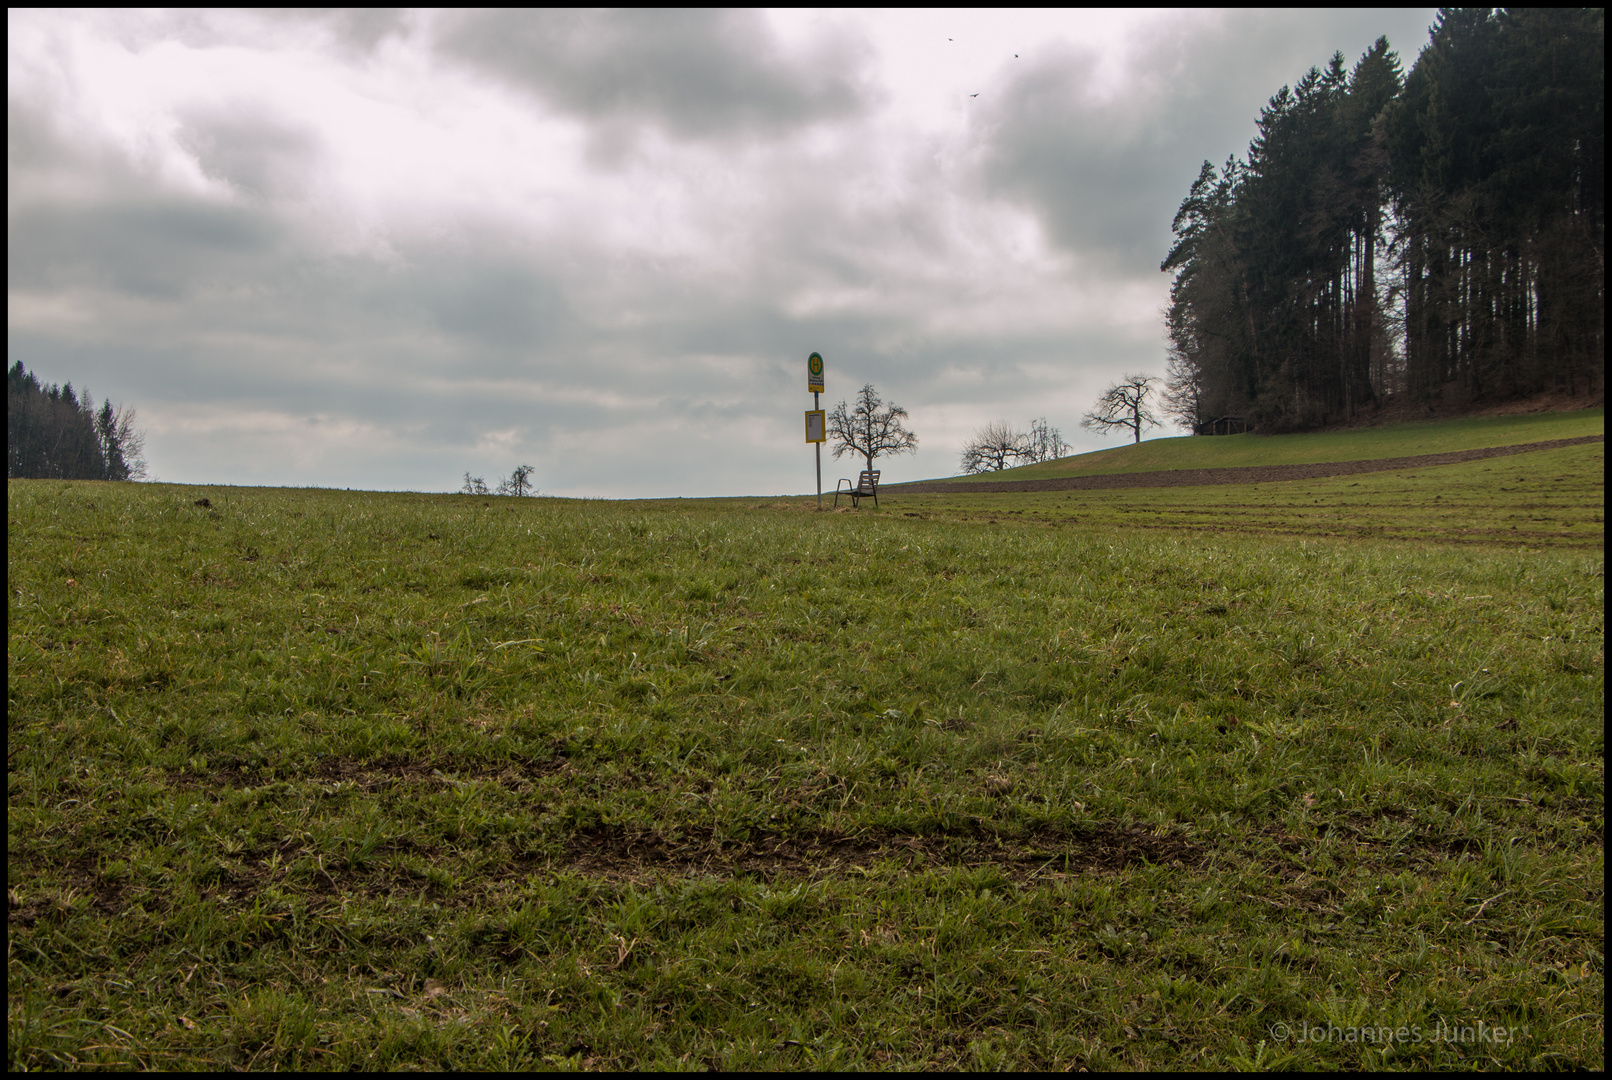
x=1105 y=167
x=697 y=73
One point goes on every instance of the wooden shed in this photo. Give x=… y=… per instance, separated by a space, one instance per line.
x=1225 y=425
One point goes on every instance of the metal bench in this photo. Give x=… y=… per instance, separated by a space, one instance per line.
x=867 y=487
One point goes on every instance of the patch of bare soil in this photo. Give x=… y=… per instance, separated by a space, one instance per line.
x=1247 y=474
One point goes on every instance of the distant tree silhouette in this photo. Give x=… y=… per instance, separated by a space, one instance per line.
x=516 y=483
x=54 y=433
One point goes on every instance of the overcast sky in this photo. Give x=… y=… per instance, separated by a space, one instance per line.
x=377 y=250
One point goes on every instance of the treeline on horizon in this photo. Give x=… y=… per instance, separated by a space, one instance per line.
x=1436 y=235
x=52 y=433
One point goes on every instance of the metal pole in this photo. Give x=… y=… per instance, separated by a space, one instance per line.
x=816 y=404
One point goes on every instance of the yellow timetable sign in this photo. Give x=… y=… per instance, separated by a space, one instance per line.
x=814 y=378
x=815 y=426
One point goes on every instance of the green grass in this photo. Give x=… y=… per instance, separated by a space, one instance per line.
x=315 y=779
x=1360 y=444
x=1545 y=499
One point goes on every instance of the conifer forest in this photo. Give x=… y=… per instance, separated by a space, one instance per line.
x=1436 y=235
x=53 y=432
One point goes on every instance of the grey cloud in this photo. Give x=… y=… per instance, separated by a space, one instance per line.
x=358 y=29
x=152 y=247
x=497 y=302
x=355 y=31
x=138 y=30
x=698 y=73
x=84 y=213
x=1086 y=165
x=33 y=138
x=257 y=156
x=47 y=156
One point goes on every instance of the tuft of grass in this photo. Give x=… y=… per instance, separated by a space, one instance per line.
x=334 y=780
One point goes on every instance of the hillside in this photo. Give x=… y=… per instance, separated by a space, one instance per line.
x=1363 y=444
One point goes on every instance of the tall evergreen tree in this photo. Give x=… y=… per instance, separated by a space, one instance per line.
x=1497 y=167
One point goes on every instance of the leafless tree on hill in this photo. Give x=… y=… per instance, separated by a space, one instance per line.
x=516 y=483
x=1124 y=405
x=993 y=447
x=1043 y=442
x=997 y=442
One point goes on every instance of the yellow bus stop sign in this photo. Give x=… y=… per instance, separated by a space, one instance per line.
x=814 y=374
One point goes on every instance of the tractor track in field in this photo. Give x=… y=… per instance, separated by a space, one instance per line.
x=1244 y=474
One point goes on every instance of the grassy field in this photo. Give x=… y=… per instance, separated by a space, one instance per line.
x=1545 y=499
x=318 y=779
x=1359 y=444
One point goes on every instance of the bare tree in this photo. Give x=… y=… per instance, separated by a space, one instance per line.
x=133 y=442
x=474 y=485
x=991 y=448
x=122 y=444
x=516 y=483
x=997 y=441
x=872 y=427
x=1043 y=442
x=1183 y=393
x=1124 y=405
